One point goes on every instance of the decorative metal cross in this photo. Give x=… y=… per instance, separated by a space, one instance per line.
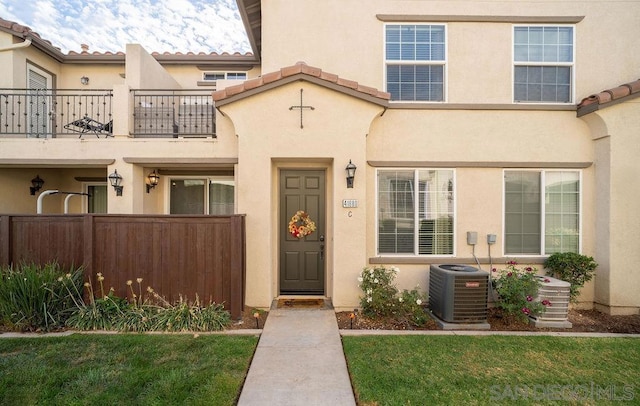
x=301 y=107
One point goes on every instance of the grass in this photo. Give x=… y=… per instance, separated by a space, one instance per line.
x=482 y=370
x=124 y=369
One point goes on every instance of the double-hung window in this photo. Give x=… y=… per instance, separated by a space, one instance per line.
x=415 y=211
x=414 y=61
x=543 y=64
x=542 y=212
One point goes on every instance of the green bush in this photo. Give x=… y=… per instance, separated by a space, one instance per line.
x=517 y=290
x=382 y=299
x=570 y=267
x=38 y=298
x=141 y=314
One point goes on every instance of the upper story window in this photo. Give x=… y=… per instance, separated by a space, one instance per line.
x=543 y=64
x=415 y=212
x=224 y=75
x=415 y=57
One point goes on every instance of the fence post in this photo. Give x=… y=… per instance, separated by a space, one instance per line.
x=238 y=265
x=5 y=240
x=87 y=234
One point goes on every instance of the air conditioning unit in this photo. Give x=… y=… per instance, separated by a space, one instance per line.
x=558 y=293
x=458 y=293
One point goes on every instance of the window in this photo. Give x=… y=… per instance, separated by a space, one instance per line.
x=415 y=221
x=97 y=199
x=213 y=196
x=542 y=212
x=224 y=75
x=414 y=59
x=543 y=64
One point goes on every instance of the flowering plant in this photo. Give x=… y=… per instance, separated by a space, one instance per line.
x=517 y=290
x=382 y=299
x=301 y=225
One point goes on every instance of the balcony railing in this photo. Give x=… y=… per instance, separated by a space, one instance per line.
x=49 y=113
x=173 y=114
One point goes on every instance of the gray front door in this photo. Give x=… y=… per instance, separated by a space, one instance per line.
x=302 y=259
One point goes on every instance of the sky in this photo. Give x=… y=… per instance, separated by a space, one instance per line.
x=109 y=25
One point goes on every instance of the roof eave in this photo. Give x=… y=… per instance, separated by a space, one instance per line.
x=308 y=78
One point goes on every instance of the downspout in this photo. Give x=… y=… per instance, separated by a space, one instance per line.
x=23 y=44
x=42 y=195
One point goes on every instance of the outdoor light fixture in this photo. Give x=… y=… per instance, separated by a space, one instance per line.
x=153 y=180
x=115 y=179
x=351 y=173
x=84 y=80
x=37 y=183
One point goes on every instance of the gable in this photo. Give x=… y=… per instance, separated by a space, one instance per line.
x=300 y=71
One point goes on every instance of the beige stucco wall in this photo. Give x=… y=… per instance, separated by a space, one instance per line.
x=615 y=131
x=479 y=54
x=270 y=138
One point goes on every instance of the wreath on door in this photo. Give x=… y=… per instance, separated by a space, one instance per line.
x=301 y=225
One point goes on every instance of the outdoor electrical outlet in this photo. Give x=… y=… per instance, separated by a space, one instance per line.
x=491 y=238
x=472 y=237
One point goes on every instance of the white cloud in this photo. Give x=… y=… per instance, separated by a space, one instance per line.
x=158 y=25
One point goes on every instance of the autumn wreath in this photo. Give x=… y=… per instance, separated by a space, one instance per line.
x=301 y=225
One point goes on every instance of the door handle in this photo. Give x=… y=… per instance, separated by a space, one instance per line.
x=322 y=247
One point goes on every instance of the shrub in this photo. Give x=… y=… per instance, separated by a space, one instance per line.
x=382 y=299
x=573 y=268
x=100 y=313
x=37 y=298
x=517 y=290
x=140 y=314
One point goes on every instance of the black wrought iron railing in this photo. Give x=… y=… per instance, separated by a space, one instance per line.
x=35 y=113
x=169 y=113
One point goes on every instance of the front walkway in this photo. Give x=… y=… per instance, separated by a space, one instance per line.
x=299 y=361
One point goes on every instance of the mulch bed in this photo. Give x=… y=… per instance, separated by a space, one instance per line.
x=582 y=320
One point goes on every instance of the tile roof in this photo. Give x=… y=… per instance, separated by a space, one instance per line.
x=299 y=71
x=609 y=97
x=26 y=32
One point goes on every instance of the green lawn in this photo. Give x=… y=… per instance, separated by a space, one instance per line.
x=124 y=369
x=482 y=370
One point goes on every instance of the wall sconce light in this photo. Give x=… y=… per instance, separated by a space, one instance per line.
x=36 y=183
x=84 y=80
x=115 y=179
x=351 y=173
x=153 y=180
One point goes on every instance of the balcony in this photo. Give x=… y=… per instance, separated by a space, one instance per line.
x=173 y=114
x=56 y=113
x=74 y=113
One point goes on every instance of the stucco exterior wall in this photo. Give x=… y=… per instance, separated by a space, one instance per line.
x=270 y=138
x=479 y=54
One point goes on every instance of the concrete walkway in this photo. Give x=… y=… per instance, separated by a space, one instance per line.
x=299 y=361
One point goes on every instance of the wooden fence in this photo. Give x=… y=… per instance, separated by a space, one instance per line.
x=175 y=255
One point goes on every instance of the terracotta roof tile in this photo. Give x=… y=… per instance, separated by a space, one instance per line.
x=298 y=68
x=596 y=101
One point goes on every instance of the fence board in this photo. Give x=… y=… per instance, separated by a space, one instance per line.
x=175 y=255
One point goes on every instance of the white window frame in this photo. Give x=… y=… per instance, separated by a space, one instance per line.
x=417 y=215
x=48 y=102
x=224 y=74
x=207 y=180
x=542 y=173
x=571 y=65
x=443 y=63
